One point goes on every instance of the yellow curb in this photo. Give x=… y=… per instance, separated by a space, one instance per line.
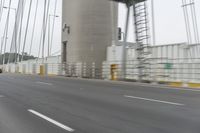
x=176 y=84
x=194 y=85
x=41 y=70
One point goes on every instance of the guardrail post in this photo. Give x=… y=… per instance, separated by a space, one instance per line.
x=114 y=68
x=41 y=70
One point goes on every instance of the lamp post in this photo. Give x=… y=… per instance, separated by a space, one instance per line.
x=15 y=32
x=50 y=45
x=2 y=41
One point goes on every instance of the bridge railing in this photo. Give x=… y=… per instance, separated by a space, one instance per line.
x=157 y=70
x=161 y=70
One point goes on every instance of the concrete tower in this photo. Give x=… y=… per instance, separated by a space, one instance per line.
x=89 y=26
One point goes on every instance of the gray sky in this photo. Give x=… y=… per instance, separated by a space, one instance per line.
x=169 y=20
x=170 y=27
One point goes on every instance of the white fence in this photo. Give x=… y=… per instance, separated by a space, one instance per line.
x=34 y=68
x=164 y=69
x=184 y=70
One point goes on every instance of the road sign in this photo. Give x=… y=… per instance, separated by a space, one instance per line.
x=168 y=65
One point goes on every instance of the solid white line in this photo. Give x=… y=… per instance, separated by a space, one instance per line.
x=1 y=96
x=154 y=100
x=44 y=83
x=197 y=90
x=170 y=88
x=52 y=121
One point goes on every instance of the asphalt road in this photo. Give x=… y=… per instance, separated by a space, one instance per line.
x=33 y=104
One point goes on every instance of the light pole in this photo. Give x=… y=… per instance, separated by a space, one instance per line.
x=50 y=45
x=15 y=32
x=6 y=32
x=2 y=41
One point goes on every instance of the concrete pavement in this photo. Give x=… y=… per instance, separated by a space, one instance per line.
x=30 y=104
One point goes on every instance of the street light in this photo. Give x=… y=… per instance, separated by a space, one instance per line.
x=5 y=7
x=2 y=41
x=49 y=46
x=14 y=9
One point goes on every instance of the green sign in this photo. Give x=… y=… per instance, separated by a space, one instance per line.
x=168 y=66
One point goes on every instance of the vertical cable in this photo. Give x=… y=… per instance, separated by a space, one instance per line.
x=6 y=33
x=15 y=31
x=1 y=10
x=45 y=29
x=20 y=31
x=26 y=32
x=48 y=30
x=36 y=10
x=2 y=38
x=42 y=32
x=52 y=31
x=13 y=37
x=186 y=24
x=1 y=6
x=193 y=20
x=195 y=28
x=153 y=22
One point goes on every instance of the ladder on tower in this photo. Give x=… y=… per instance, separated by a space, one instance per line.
x=142 y=36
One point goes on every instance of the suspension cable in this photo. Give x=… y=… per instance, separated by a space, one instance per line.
x=20 y=31
x=52 y=31
x=14 y=35
x=193 y=20
x=1 y=10
x=26 y=32
x=2 y=41
x=36 y=10
x=45 y=29
x=195 y=23
x=6 y=33
x=42 y=30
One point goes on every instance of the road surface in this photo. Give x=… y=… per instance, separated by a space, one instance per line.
x=33 y=104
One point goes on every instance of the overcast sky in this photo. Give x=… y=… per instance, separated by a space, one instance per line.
x=169 y=20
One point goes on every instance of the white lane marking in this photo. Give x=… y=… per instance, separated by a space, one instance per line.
x=44 y=83
x=170 y=88
x=154 y=100
x=52 y=121
x=1 y=96
x=197 y=90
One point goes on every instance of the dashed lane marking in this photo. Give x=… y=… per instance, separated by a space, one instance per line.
x=154 y=100
x=51 y=121
x=44 y=83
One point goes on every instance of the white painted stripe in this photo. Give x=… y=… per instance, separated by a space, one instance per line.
x=52 y=121
x=154 y=100
x=1 y=96
x=44 y=83
x=170 y=88
x=197 y=90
